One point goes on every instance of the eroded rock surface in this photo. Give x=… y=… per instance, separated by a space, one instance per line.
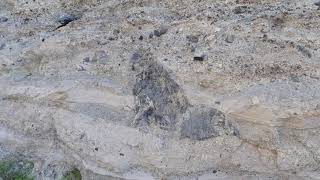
x=171 y=89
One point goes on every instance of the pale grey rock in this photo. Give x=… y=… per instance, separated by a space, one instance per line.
x=230 y=38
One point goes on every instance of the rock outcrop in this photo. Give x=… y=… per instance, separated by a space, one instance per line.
x=171 y=89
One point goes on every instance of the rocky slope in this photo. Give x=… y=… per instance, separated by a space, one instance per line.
x=171 y=89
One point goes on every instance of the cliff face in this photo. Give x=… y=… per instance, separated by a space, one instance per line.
x=171 y=89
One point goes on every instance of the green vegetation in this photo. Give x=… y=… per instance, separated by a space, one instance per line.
x=74 y=174
x=16 y=170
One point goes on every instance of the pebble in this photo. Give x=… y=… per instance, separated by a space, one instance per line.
x=2 y=46
x=294 y=78
x=81 y=68
x=86 y=59
x=304 y=51
x=198 y=58
x=214 y=171
x=230 y=38
x=3 y=19
x=240 y=9
x=193 y=39
x=135 y=58
x=160 y=31
x=317 y=3
x=66 y=19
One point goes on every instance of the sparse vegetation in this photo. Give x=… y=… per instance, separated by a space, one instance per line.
x=74 y=174
x=16 y=170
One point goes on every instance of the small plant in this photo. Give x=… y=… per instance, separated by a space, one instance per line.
x=16 y=170
x=74 y=174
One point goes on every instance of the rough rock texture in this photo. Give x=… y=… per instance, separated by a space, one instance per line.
x=171 y=89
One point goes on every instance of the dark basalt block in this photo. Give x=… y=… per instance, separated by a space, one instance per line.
x=158 y=98
x=202 y=122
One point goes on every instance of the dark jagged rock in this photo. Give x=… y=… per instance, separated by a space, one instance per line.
x=158 y=98
x=202 y=122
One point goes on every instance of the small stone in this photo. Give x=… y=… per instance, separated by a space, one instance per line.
x=198 y=58
x=294 y=78
x=193 y=39
x=121 y=154
x=81 y=68
x=151 y=35
x=304 y=51
x=230 y=38
x=141 y=38
x=265 y=37
x=199 y=55
x=116 y=31
x=96 y=149
x=160 y=32
x=86 y=59
x=3 y=19
x=135 y=57
x=2 y=46
x=214 y=171
x=66 y=19
x=317 y=3
x=240 y=9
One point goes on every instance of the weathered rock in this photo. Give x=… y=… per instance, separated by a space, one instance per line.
x=202 y=122
x=66 y=19
x=2 y=46
x=240 y=9
x=160 y=89
x=160 y=32
x=230 y=38
x=158 y=98
x=193 y=39
x=3 y=19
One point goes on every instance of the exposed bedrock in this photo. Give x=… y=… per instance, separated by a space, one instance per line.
x=171 y=89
